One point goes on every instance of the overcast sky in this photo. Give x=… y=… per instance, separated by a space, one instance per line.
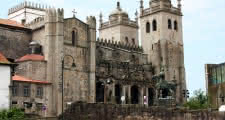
x=203 y=26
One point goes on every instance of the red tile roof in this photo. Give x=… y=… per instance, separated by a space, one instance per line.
x=3 y=59
x=31 y=57
x=11 y=23
x=23 y=79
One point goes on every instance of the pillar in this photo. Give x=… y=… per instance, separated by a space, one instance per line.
x=113 y=94
x=141 y=96
x=129 y=94
x=147 y=95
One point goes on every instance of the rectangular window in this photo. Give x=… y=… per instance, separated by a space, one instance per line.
x=26 y=91
x=14 y=90
x=39 y=92
x=14 y=102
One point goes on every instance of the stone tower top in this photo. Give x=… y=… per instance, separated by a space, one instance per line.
x=91 y=21
x=26 y=12
x=118 y=13
x=27 y=5
x=161 y=5
x=119 y=27
x=117 y=17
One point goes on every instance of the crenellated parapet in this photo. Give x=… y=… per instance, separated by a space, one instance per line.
x=91 y=21
x=54 y=14
x=118 y=45
x=36 y=23
x=26 y=4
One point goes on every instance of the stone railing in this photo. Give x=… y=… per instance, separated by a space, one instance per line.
x=116 y=22
x=157 y=8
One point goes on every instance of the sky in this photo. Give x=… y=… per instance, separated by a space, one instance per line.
x=203 y=28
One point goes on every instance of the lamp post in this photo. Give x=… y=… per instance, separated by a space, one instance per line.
x=72 y=66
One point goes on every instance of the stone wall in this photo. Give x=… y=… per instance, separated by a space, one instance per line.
x=14 y=42
x=35 y=70
x=84 y=111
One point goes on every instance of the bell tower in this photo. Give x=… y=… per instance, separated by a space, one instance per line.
x=162 y=39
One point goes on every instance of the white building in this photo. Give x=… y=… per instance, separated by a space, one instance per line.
x=26 y=12
x=5 y=77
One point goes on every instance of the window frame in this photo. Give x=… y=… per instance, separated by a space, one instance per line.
x=175 y=25
x=148 y=27
x=26 y=90
x=15 y=90
x=169 y=24
x=39 y=91
x=154 y=25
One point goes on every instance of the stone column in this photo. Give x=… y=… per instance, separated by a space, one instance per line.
x=141 y=96
x=129 y=94
x=146 y=89
x=113 y=94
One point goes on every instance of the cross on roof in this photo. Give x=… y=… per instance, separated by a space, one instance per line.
x=74 y=12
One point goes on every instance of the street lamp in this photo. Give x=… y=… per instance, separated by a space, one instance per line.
x=63 y=67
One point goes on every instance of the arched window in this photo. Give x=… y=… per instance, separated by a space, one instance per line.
x=126 y=39
x=134 y=95
x=73 y=37
x=175 y=25
x=100 y=92
x=133 y=41
x=169 y=24
x=147 y=27
x=154 y=24
x=118 y=91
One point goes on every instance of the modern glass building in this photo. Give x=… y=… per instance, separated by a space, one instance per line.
x=215 y=83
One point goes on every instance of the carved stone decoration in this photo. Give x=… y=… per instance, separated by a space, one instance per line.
x=116 y=55
x=100 y=54
x=134 y=59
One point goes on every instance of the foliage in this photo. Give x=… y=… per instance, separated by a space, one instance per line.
x=12 y=114
x=198 y=101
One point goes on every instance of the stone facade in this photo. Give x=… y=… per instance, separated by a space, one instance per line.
x=31 y=102
x=121 y=68
x=162 y=39
x=108 y=70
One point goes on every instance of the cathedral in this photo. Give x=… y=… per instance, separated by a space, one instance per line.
x=59 y=61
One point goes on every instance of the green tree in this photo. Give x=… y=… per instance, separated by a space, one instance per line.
x=198 y=101
x=12 y=114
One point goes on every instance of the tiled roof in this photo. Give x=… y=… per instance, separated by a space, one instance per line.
x=3 y=60
x=31 y=57
x=23 y=79
x=11 y=23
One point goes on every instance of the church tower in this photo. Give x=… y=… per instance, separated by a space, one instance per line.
x=162 y=39
x=119 y=27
